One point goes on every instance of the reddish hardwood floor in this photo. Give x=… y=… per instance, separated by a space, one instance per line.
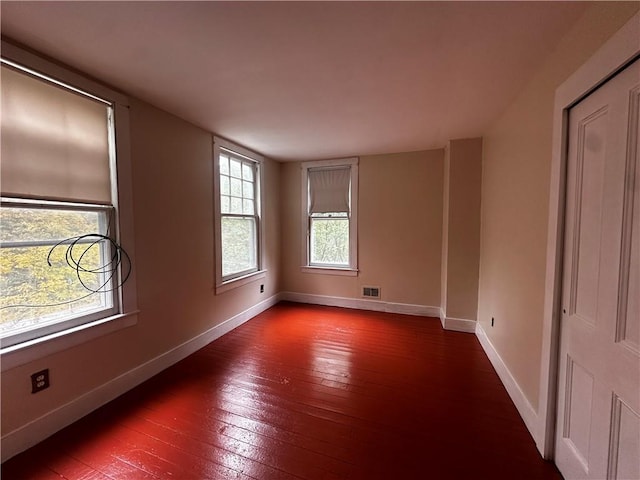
x=306 y=392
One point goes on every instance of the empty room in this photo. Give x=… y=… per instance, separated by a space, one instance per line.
x=320 y=240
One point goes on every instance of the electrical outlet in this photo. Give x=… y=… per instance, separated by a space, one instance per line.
x=261 y=288
x=492 y=320
x=40 y=381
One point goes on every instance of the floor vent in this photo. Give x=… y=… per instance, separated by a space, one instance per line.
x=371 y=292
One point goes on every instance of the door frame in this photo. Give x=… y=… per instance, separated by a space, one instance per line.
x=620 y=50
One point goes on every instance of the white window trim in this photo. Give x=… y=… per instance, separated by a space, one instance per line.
x=343 y=271
x=223 y=285
x=122 y=200
x=56 y=342
x=352 y=269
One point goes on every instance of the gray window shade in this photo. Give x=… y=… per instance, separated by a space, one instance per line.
x=54 y=142
x=329 y=190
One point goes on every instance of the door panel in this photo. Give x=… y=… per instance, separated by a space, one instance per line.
x=590 y=170
x=628 y=323
x=579 y=396
x=597 y=434
x=624 y=443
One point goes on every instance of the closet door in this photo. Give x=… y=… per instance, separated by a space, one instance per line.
x=598 y=427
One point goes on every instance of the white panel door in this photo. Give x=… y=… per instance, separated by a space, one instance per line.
x=598 y=426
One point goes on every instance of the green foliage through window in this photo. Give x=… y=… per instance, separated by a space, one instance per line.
x=238 y=244
x=330 y=239
x=32 y=291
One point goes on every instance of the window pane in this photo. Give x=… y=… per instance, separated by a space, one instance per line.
x=224 y=165
x=236 y=205
x=247 y=172
x=239 y=251
x=236 y=168
x=224 y=204
x=330 y=241
x=247 y=189
x=236 y=187
x=37 y=293
x=224 y=185
x=247 y=207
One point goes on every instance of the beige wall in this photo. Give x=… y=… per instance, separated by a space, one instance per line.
x=399 y=230
x=461 y=240
x=515 y=192
x=173 y=198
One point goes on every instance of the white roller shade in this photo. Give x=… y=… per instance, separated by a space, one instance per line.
x=329 y=190
x=54 y=142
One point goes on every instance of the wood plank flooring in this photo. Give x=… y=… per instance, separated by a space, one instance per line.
x=306 y=392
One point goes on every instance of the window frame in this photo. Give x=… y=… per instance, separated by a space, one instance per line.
x=237 y=279
x=331 y=269
x=70 y=321
x=121 y=201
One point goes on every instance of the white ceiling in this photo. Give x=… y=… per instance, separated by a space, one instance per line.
x=307 y=80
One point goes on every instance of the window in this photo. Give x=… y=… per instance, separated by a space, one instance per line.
x=238 y=220
x=330 y=216
x=61 y=264
x=56 y=267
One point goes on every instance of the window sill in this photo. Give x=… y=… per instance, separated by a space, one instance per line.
x=349 y=272
x=31 y=350
x=240 y=281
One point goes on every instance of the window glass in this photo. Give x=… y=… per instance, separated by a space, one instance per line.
x=236 y=187
x=42 y=283
x=238 y=244
x=236 y=168
x=329 y=243
x=247 y=207
x=236 y=205
x=225 y=206
x=247 y=172
x=224 y=165
x=247 y=190
x=224 y=185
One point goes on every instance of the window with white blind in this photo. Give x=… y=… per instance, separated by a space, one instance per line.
x=238 y=216
x=61 y=262
x=330 y=216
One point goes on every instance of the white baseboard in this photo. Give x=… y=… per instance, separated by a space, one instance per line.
x=37 y=430
x=525 y=409
x=457 y=324
x=361 y=304
x=460 y=324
